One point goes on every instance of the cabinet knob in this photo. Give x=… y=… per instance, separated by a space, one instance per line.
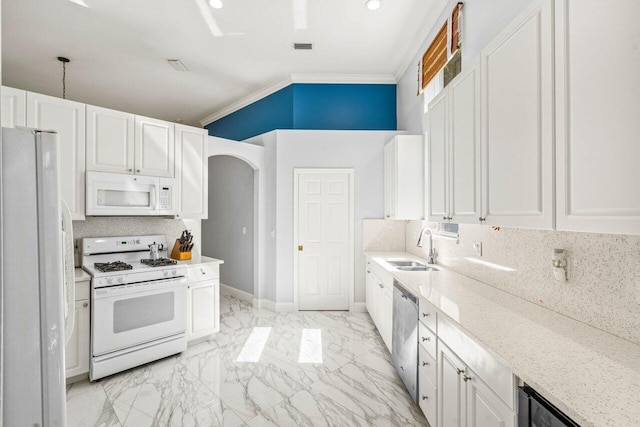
x=425 y=397
x=381 y=285
x=130 y=170
x=137 y=170
x=460 y=371
x=482 y=219
x=426 y=339
x=425 y=363
x=466 y=378
x=368 y=271
x=86 y=304
x=444 y=218
x=425 y=314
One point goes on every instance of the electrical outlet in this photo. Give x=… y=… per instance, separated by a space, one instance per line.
x=477 y=248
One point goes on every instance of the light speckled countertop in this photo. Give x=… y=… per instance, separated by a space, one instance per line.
x=81 y=275
x=201 y=259
x=592 y=376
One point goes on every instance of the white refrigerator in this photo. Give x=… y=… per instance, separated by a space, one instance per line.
x=31 y=262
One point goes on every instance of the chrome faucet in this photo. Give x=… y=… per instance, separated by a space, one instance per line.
x=432 y=252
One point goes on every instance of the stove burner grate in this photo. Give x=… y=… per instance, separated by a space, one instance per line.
x=104 y=267
x=160 y=262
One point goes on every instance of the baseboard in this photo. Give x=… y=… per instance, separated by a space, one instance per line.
x=273 y=306
x=359 y=307
x=231 y=291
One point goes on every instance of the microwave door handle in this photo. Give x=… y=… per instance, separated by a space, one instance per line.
x=154 y=191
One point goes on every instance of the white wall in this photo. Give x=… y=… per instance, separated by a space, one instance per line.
x=482 y=21
x=360 y=150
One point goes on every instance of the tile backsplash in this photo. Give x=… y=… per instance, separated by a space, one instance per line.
x=603 y=287
x=130 y=226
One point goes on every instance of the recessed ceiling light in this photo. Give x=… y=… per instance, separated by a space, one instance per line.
x=216 y=4
x=373 y=4
x=177 y=64
x=80 y=3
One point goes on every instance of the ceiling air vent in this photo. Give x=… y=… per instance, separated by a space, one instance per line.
x=302 y=46
x=177 y=64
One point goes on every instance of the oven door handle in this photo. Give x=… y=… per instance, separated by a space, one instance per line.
x=116 y=291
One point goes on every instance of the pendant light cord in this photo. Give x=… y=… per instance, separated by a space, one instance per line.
x=64 y=75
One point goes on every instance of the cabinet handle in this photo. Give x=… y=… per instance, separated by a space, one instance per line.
x=426 y=339
x=425 y=397
x=460 y=371
x=466 y=378
x=85 y=304
x=368 y=271
x=425 y=363
x=381 y=285
x=425 y=314
x=444 y=218
x=482 y=219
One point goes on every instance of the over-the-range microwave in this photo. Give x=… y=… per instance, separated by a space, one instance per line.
x=114 y=194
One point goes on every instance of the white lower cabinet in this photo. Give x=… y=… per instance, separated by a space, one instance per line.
x=379 y=294
x=464 y=399
x=77 y=350
x=203 y=301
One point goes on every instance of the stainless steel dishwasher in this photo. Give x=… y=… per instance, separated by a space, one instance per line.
x=404 y=344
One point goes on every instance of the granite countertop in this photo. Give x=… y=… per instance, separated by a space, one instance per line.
x=201 y=259
x=81 y=275
x=591 y=375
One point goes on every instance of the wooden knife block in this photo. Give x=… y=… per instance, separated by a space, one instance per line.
x=177 y=254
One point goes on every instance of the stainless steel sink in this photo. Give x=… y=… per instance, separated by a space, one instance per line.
x=420 y=267
x=406 y=264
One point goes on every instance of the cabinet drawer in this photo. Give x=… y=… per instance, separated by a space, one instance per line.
x=83 y=291
x=427 y=363
x=203 y=272
x=429 y=316
x=427 y=396
x=427 y=339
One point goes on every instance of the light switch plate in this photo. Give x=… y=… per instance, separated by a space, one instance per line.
x=477 y=248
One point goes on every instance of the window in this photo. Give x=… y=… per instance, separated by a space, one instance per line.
x=455 y=28
x=435 y=57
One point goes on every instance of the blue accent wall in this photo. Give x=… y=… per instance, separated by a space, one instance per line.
x=319 y=106
x=344 y=106
x=271 y=112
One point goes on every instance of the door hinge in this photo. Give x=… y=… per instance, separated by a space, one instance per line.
x=300 y=248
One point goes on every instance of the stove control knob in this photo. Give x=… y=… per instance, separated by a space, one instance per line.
x=166 y=273
x=109 y=281
x=174 y=272
x=120 y=279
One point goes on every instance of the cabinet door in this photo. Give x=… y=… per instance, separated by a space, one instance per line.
x=203 y=309
x=384 y=313
x=597 y=126
x=437 y=157
x=67 y=118
x=484 y=408
x=76 y=356
x=517 y=121
x=451 y=396
x=110 y=140
x=154 y=147
x=409 y=177
x=192 y=172
x=390 y=180
x=14 y=109
x=464 y=147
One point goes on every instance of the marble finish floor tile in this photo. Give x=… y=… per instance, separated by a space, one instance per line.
x=261 y=369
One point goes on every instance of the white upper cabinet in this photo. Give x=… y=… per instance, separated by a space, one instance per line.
x=597 y=111
x=154 y=147
x=110 y=140
x=67 y=118
x=437 y=158
x=14 y=111
x=517 y=122
x=464 y=147
x=453 y=151
x=404 y=177
x=192 y=171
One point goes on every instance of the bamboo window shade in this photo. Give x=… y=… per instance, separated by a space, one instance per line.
x=455 y=28
x=435 y=57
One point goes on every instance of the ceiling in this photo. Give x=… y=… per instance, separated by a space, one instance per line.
x=118 y=48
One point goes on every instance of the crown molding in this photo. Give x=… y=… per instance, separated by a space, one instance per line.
x=432 y=17
x=298 y=78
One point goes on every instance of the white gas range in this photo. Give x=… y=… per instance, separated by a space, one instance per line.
x=138 y=305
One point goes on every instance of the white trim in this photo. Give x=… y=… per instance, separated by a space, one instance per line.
x=296 y=175
x=297 y=78
x=229 y=290
x=359 y=307
x=421 y=37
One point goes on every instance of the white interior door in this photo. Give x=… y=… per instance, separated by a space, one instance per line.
x=324 y=253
